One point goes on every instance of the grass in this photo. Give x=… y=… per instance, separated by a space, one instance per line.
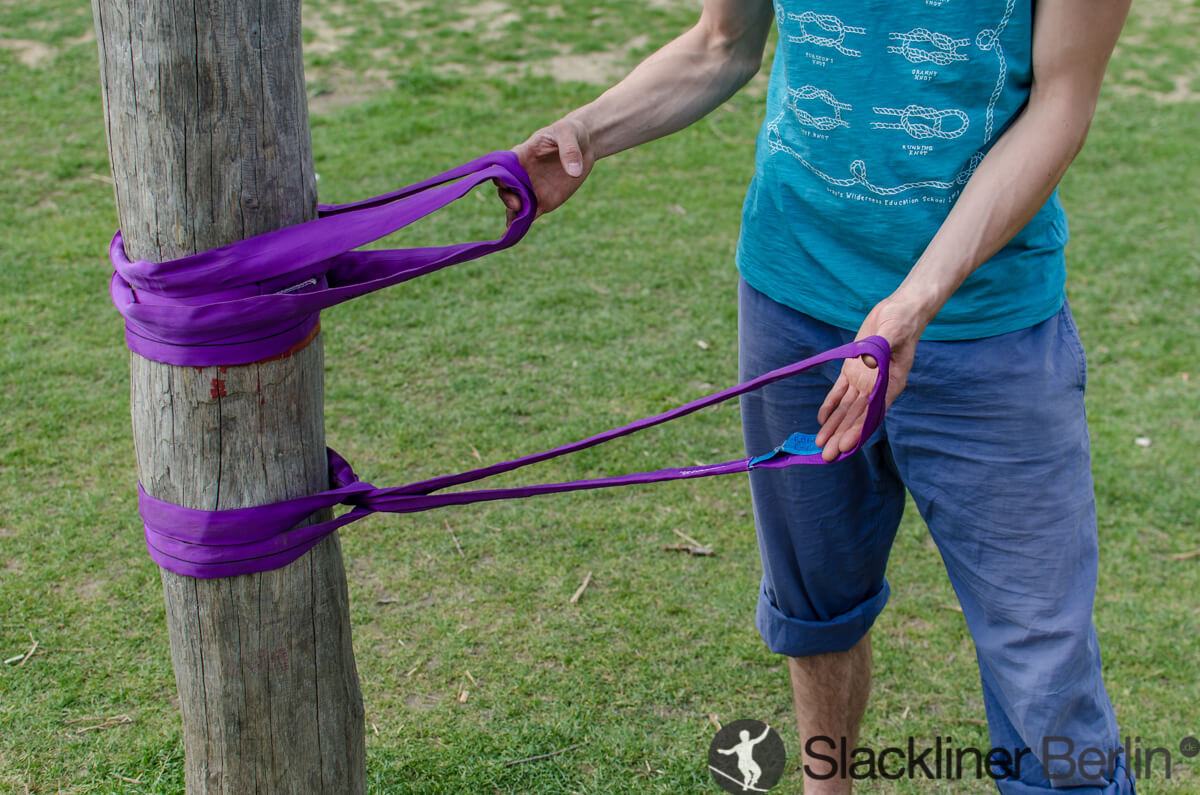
x=592 y=321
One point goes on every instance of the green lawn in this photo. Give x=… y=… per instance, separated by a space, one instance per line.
x=594 y=320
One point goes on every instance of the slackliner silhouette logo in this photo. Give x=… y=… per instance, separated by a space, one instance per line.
x=746 y=756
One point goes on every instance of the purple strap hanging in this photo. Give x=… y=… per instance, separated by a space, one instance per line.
x=225 y=543
x=256 y=298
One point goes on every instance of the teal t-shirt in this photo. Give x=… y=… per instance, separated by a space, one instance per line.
x=878 y=112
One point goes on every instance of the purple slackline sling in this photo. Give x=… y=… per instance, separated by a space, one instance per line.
x=205 y=310
x=256 y=298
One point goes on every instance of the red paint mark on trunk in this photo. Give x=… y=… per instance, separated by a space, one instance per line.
x=218 y=388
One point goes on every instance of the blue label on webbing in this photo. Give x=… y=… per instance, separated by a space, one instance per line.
x=796 y=444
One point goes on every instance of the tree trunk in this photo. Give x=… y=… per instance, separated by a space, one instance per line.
x=209 y=143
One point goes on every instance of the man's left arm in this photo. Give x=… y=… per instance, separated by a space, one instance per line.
x=1072 y=42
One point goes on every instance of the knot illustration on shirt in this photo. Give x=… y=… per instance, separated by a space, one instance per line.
x=944 y=50
x=826 y=31
x=858 y=171
x=987 y=40
x=913 y=118
x=810 y=93
x=776 y=143
x=789 y=127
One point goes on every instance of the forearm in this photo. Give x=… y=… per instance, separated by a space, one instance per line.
x=683 y=81
x=1007 y=189
x=1072 y=40
x=1072 y=43
x=1009 y=186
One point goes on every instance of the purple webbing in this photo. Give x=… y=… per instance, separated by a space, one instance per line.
x=256 y=298
x=226 y=543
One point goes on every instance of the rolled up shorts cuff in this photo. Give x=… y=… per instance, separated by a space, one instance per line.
x=796 y=637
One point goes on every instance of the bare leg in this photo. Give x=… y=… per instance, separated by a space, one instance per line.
x=830 y=694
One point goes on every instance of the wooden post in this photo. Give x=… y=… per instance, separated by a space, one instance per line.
x=209 y=143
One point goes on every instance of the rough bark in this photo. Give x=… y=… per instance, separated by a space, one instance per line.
x=209 y=143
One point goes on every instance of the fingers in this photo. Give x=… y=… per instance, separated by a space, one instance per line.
x=568 y=138
x=561 y=139
x=837 y=417
x=851 y=428
x=557 y=159
x=841 y=433
x=832 y=399
x=512 y=202
x=540 y=144
x=570 y=155
x=833 y=421
x=844 y=412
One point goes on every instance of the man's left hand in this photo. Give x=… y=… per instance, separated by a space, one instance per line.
x=844 y=411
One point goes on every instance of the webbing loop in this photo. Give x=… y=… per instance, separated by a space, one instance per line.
x=256 y=298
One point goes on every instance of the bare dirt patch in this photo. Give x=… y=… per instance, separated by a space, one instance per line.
x=600 y=68
x=1139 y=63
x=486 y=15
x=29 y=53
x=329 y=29
x=90 y=588
x=337 y=87
x=1182 y=89
x=327 y=38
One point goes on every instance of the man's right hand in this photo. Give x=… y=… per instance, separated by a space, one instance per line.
x=558 y=159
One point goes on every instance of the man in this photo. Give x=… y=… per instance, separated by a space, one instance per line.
x=905 y=186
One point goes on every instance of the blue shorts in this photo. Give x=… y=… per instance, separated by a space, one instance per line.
x=990 y=437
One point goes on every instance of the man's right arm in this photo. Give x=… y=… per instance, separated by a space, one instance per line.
x=677 y=85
